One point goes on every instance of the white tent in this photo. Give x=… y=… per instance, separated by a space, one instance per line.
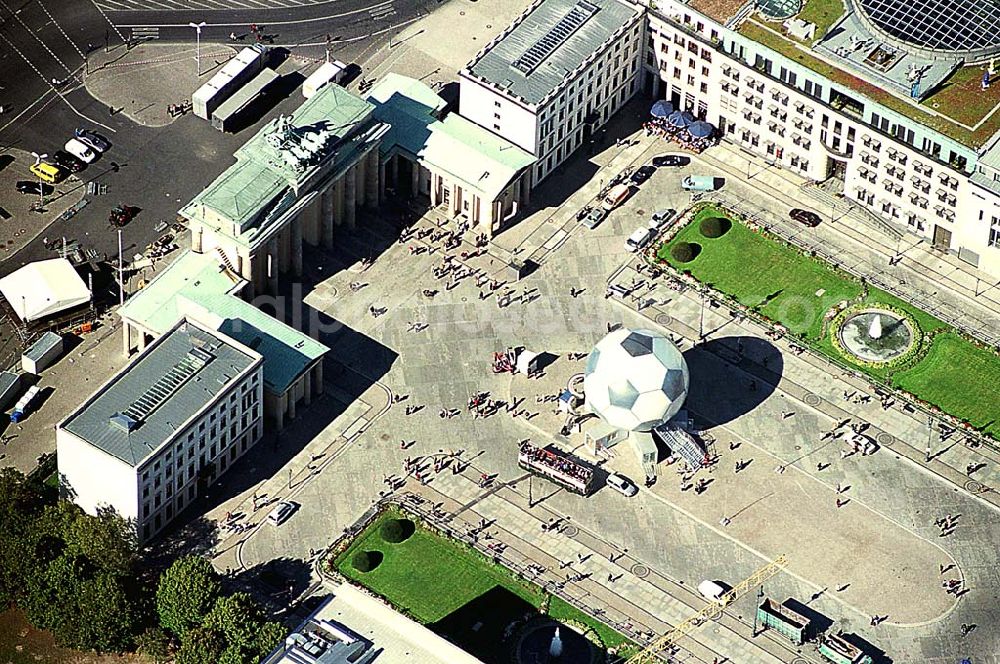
x=43 y=288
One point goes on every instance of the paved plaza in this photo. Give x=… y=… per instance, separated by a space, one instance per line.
x=878 y=554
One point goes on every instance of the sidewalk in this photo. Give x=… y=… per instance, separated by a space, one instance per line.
x=615 y=588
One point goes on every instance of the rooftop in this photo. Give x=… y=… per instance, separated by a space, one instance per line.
x=551 y=39
x=197 y=286
x=466 y=152
x=149 y=400
x=354 y=628
x=326 y=132
x=957 y=107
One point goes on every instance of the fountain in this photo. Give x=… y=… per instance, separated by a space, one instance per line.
x=537 y=643
x=875 y=329
x=555 y=648
x=877 y=335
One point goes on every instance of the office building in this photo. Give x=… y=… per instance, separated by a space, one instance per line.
x=165 y=427
x=889 y=103
x=554 y=77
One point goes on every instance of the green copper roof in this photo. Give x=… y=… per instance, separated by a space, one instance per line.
x=325 y=134
x=196 y=286
x=454 y=146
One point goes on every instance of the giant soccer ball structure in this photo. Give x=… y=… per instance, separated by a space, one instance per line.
x=635 y=379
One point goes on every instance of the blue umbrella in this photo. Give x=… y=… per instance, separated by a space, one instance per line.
x=680 y=119
x=661 y=109
x=700 y=129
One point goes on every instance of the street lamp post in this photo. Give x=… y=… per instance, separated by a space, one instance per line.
x=197 y=53
x=41 y=187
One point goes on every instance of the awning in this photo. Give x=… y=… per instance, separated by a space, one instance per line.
x=700 y=129
x=661 y=109
x=44 y=288
x=680 y=119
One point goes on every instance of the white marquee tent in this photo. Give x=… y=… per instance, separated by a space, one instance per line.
x=44 y=288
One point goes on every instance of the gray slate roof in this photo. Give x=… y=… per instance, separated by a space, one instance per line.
x=92 y=422
x=564 y=53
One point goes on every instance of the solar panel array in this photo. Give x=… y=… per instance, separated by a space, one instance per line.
x=167 y=384
x=952 y=25
x=536 y=54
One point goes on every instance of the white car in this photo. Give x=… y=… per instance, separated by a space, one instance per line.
x=639 y=239
x=660 y=219
x=80 y=151
x=622 y=485
x=281 y=512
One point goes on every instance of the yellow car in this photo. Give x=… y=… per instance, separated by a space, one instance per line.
x=46 y=172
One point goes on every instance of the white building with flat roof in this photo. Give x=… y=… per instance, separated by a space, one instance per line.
x=163 y=428
x=352 y=627
x=555 y=76
x=887 y=113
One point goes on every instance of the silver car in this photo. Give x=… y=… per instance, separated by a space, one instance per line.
x=281 y=512
x=93 y=140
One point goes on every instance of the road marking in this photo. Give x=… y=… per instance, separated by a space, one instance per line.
x=315 y=19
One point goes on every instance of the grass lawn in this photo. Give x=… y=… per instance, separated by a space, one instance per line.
x=432 y=577
x=823 y=13
x=758 y=271
x=960 y=379
x=954 y=375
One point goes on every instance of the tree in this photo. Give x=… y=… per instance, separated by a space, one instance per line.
x=107 y=539
x=200 y=646
x=237 y=617
x=20 y=504
x=185 y=593
x=108 y=616
x=154 y=645
x=269 y=636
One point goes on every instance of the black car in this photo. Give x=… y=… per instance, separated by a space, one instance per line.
x=642 y=174
x=36 y=188
x=810 y=219
x=671 y=160
x=66 y=161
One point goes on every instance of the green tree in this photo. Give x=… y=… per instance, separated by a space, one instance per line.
x=186 y=592
x=237 y=617
x=107 y=539
x=269 y=636
x=154 y=645
x=108 y=617
x=200 y=646
x=20 y=504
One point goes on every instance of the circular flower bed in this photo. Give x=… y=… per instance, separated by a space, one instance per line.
x=915 y=350
x=685 y=252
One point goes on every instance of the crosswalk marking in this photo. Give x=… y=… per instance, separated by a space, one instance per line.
x=187 y=5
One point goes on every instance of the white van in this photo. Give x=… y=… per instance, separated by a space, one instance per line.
x=713 y=592
x=79 y=150
x=639 y=239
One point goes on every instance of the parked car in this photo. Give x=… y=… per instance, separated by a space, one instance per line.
x=639 y=239
x=29 y=187
x=671 y=160
x=80 y=150
x=713 y=591
x=642 y=174
x=594 y=217
x=699 y=183
x=92 y=140
x=660 y=219
x=65 y=160
x=622 y=485
x=281 y=512
x=46 y=172
x=616 y=196
x=810 y=219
